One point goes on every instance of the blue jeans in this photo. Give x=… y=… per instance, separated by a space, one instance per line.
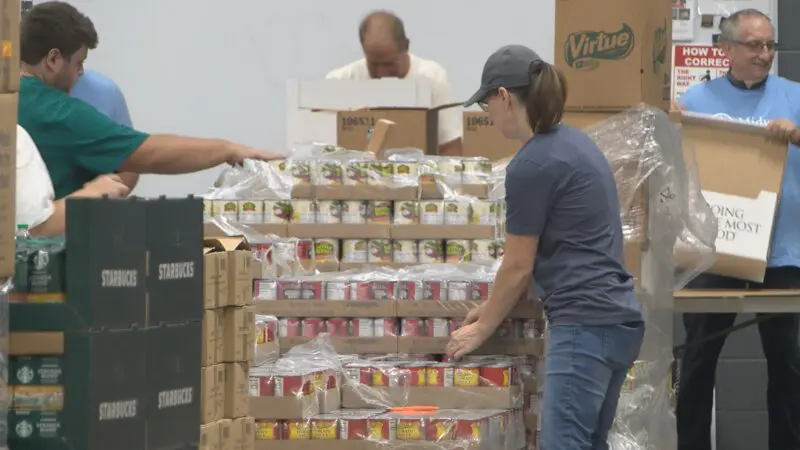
x=585 y=368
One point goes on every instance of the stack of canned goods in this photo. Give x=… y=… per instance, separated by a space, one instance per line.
x=408 y=251
x=424 y=373
x=359 y=287
x=274 y=381
x=338 y=327
x=442 y=327
x=490 y=428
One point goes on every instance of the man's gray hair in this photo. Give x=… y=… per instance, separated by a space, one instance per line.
x=729 y=28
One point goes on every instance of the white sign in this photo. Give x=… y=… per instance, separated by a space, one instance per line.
x=693 y=64
x=745 y=224
x=684 y=18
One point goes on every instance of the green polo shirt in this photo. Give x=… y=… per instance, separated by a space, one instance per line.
x=76 y=141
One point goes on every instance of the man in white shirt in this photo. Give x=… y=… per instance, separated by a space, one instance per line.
x=35 y=204
x=386 y=55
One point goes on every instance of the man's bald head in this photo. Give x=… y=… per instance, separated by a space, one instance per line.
x=383 y=39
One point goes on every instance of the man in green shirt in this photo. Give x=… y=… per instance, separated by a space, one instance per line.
x=76 y=141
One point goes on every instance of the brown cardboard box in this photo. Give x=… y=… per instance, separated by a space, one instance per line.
x=212 y=336
x=441 y=397
x=238 y=334
x=741 y=173
x=212 y=386
x=9 y=43
x=236 y=389
x=482 y=138
x=413 y=127
x=244 y=433
x=236 y=261
x=209 y=436
x=8 y=169
x=614 y=54
x=291 y=407
x=226 y=434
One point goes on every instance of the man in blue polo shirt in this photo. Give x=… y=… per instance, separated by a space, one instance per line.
x=750 y=94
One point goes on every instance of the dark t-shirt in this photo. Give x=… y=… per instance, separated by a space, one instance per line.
x=560 y=187
x=76 y=141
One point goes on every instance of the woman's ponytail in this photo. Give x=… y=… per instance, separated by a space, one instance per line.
x=546 y=98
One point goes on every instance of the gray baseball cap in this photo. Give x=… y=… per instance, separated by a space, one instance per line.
x=508 y=67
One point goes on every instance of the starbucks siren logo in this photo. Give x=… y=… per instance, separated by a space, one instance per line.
x=584 y=50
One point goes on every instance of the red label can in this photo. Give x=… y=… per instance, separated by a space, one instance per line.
x=337 y=326
x=361 y=327
x=437 y=328
x=432 y=290
x=353 y=428
x=497 y=375
x=411 y=428
x=380 y=429
x=290 y=327
x=412 y=327
x=262 y=385
x=262 y=251
x=269 y=430
x=441 y=429
x=305 y=251
x=407 y=289
x=359 y=372
x=324 y=428
x=385 y=327
x=468 y=430
x=265 y=289
x=480 y=290
x=467 y=375
x=297 y=430
x=312 y=327
x=417 y=372
x=291 y=385
x=440 y=374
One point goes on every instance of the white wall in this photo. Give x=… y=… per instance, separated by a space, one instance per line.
x=199 y=68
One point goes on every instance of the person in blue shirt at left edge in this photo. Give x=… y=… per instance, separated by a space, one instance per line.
x=103 y=93
x=749 y=93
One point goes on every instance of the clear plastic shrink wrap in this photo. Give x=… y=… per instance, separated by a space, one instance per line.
x=355 y=402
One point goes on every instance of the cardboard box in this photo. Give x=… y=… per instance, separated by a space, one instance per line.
x=284 y=408
x=740 y=176
x=212 y=388
x=229 y=272
x=8 y=171
x=614 y=54
x=236 y=390
x=9 y=35
x=482 y=138
x=441 y=397
x=244 y=433
x=238 y=334
x=327 y=308
x=226 y=434
x=209 y=436
x=212 y=333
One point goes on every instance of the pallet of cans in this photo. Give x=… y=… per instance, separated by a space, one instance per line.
x=293 y=389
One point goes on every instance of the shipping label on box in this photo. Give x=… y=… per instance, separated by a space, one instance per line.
x=413 y=127
x=483 y=138
x=614 y=55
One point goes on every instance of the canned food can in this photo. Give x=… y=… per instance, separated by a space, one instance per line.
x=440 y=374
x=379 y=212
x=300 y=170
x=381 y=174
x=408 y=289
x=251 y=211
x=299 y=290
x=384 y=374
x=480 y=290
x=467 y=375
x=265 y=289
x=328 y=173
x=359 y=372
x=456 y=251
x=354 y=212
x=277 y=212
x=324 y=428
x=304 y=211
x=336 y=290
x=437 y=327
x=354 y=251
x=362 y=327
x=227 y=209
x=356 y=173
x=329 y=211
x=451 y=170
x=455 y=324
x=304 y=251
x=262 y=384
x=380 y=251
x=326 y=250
x=468 y=429
x=381 y=429
x=208 y=209
x=289 y=327
x=481 y=250
x=337 y=326
x=428 y=170
x=417 y=372
x=440 y=429
x=433 y=290
x=297 y=430
x=411 y=428
x=497 y=375
x=533 y=328
x=385 y=328
x=268 y=430
x=431 y=212
x=372 y=290
x=406 y=212
x=406 y=173
x=456 y=213
x=431 y=251
x=291 y=385
x=411 y=326
x=266 y=331
x=313 y=327
x=353 y=427
x=405 y=251
x=476 y=170
x=483 y=212
x=458 y=290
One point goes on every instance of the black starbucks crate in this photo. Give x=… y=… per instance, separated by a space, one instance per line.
x=175 y=245
x=173 y=393
x=92 y=397
x=106 y=259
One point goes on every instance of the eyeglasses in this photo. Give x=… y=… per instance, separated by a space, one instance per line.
x=758 y=46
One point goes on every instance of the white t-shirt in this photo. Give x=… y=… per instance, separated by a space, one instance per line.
x=35 y=192
x=449 y=118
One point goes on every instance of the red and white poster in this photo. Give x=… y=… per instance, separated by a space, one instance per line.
x=693 y=64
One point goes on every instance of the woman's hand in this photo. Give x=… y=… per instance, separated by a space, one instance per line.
x=468 y=338
x=474 y=314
